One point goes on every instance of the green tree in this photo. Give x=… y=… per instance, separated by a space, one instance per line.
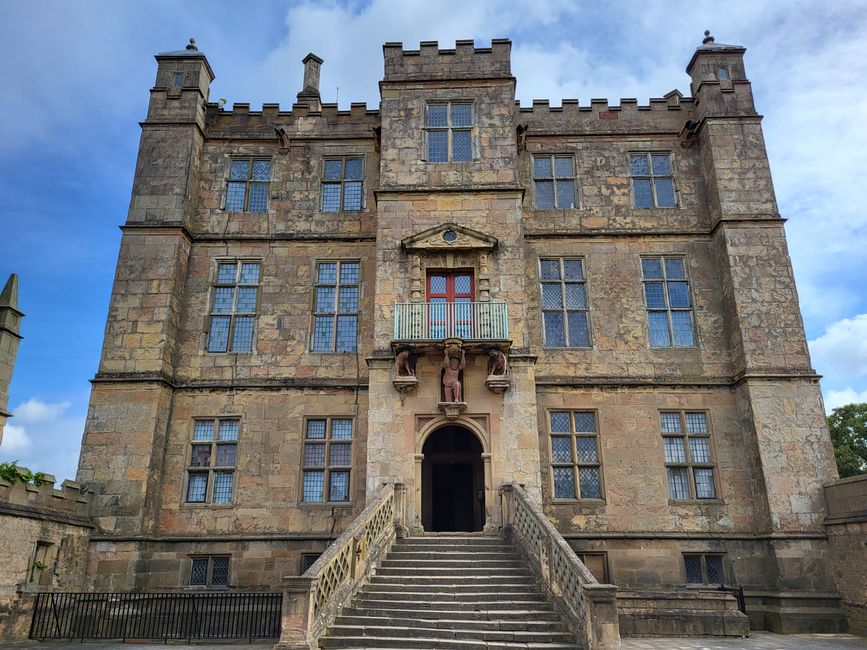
x=848 y=425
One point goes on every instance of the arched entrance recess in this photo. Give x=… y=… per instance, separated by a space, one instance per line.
x=452 y=480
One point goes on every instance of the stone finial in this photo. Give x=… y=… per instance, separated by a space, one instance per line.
x=707 y=38
x=9 y=295
x=191 y=46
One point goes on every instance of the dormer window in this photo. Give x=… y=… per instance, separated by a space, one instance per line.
x=449 y=128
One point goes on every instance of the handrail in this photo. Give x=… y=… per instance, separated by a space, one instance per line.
x=312 y=601
x=588 y=607
x=425 y=321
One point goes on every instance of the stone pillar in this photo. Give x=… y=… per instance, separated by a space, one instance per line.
x=10 y=337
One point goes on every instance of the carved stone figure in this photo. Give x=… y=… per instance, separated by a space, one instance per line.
x=499 y=365
x=451 y=376
x=402 y=366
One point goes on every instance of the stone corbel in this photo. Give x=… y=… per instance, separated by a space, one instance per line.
x=452 y=410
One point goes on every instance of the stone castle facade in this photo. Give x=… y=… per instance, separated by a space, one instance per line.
x=629 y=261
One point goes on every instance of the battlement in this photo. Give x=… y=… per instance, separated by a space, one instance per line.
x=464 y=61
x=329 y=120
x=70 y=502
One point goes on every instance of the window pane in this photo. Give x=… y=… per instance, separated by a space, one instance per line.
x=564 y=483
x=704 y=486
x=322 y=334
x=696 y=423
x=591 y=486
x=228 y=429
x=561 y=449
x=579 y=334
x=463 y=284
x=226 y=455
x=587 y=452
x=331 y=197
x=349 y=273
x=573 y=269
x=437 y=115
x=462 y=115
x=550 y=269
x=552 y=295
x=674 y=451
x=242 y=340
x=327 y=273
x=340 y=454
x=246 y=299
x=204 y=430
x=669 y=422
x=681 y=322
x=651 y=268
x=235 y=197
x=338 y=490
x=226 y=273
x=657 y=321
x=341 y=429
x=560 y=423
x=678 y=485
x=261 y=170
x=325 y=300
x=664 y=192
x=661 y=165
x=541 y=167
x=314 y=455
x=674 y=268
x=692 y=563
x=638 y=165
x=314 y=486
x=714 y=566
x=218 y=338
x=240 y=168
x=565 y=194
x=643 y=192
x=316 y=429
x=333 y=170
x=699 y=450
x=199 y=572
x=201 y=456
x=352 y=196
x=348 y=300
x=654 y=295
x=678 y=294
x=563 y=167
x=220 y=572
x=585 y=422
x=555 y=334
x=223 y=482
x=722 y=74
x=545 y=195
x=197 y=487
x=437 y=146
x=462 y=146
x=223 y=299
x=347 y=333
x=354 y=169
x=258 y=197
x=575 y=296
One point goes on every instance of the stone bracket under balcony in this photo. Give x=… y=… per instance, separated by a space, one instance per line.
x=422 y=327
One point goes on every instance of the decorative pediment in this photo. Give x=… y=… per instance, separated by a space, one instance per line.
x=449 y=237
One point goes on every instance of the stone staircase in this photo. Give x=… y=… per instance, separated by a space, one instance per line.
x=461 y=592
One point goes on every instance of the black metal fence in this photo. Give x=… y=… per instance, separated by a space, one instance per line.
x=223 y=615
x=738 y=593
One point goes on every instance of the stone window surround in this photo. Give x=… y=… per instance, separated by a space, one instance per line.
x=313 y=312
x=188 y=571
x=575 y=464
x=212 y=297
x=327 y=467
x=673 y=176
x=583 y=555
x=704 y=571
x=586 y=310
x=472 y=128
x=342 y=182
x=228 y=159
x=692 y=306
x=551 y=154
x=688 y=464
x=41 y=553
x=207 y=503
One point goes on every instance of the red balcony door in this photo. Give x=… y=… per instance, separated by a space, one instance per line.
x=446 y=293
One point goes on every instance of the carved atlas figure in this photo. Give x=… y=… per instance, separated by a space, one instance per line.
x=402 y=366
x=499 y=365
x=451 y=376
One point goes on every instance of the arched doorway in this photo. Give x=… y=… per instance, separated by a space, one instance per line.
x=453 y=481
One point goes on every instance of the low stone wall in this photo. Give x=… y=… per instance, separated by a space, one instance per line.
x=846 y=527
x=43 y=547
x=679 y=612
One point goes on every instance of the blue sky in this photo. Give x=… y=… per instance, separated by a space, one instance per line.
x=76 y=80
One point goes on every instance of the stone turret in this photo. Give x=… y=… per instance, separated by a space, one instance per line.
x=10 y=337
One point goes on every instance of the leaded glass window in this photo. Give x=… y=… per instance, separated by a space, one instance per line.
x=343 y=184
x=668 y=301
x=335 y=307
x=554 y=182
x=233 y=306
x=327 y=460
x=652 y=180
x=248 y=185
x=565 y=319
x=213 y=460
x=449 y=128
x=576 y=466
x=689 y=461
x=209 y=571
x=704 y=569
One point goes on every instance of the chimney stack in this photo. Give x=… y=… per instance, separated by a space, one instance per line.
x=309 y=95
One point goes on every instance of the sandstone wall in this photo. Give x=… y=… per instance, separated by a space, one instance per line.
x=846 y=526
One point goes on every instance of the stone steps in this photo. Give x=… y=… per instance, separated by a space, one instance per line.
x=450 y=592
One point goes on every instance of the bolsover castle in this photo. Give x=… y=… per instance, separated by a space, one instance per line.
x=552 y=327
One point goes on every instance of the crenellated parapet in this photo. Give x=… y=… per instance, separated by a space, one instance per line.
x=69 y=504
x=464 y=61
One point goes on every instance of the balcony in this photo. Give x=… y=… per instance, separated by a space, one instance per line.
x=430 y=322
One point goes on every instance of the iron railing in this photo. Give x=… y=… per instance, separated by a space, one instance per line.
x=420 y=321
x=224 y=615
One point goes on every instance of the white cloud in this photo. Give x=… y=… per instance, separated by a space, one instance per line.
x=841 y=352
x=15 y=439
x=35 y=411
x=837 y=398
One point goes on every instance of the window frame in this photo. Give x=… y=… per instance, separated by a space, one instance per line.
x=688 y=464
x=576 y=464
x=234 y=314
x=248 y=182
x=564 y=310
x=327 y=468
x=449 y=128
x=555 y=180
x=211 y=469
x=336 y=313
x=209 y=572
x=668 y=309
x=652 y=178
x=309 y=558
x=323 y=182
x=704 y=571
